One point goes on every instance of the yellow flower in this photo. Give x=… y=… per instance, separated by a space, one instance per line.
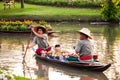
x=27 y=22
x=102 y=5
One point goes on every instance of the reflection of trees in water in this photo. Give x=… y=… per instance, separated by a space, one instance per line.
x=10 y=41
x=111 y=33
x=13 y=38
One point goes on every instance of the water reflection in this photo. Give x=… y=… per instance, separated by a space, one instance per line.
x=9 y=41
x=42 y=72
x=111 y=34
x=11 y=52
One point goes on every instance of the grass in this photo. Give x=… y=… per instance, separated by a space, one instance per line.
x=21 y=78
x=48 y=12
x=1 y=72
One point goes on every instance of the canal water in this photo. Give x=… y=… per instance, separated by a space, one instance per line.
x=106 y=39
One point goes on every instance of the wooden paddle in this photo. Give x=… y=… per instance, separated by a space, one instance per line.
x=27 y=45
x=24 y=62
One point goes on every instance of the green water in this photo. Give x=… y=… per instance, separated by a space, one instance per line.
x=107 y=46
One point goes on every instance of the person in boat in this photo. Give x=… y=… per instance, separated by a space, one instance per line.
x=40 y=39
x=84 y=47
x=57 y=51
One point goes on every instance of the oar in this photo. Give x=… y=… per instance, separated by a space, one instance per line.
x=24 y=62
x=27 y=45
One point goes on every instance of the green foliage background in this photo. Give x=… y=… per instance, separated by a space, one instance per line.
x=110 y=11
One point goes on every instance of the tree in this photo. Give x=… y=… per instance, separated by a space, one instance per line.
x=109 y=11
x=22 y=3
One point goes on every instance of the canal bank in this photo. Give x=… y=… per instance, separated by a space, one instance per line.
x=50 y=13
x=54 y=18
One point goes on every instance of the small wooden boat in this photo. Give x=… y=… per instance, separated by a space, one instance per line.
x=88 y=66
x=70 y=71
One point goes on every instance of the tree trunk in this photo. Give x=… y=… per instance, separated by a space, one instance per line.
x=107 y=0
x=22 y=3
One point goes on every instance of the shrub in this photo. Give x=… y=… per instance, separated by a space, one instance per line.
x=60 y=3
x=109 y=11
x=75 y=3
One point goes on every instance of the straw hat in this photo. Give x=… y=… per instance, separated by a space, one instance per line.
x=85 y=31
x=40 y=27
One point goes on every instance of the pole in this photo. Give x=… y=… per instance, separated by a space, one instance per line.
x=27 y=45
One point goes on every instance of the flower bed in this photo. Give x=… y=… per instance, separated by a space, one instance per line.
x=21 y=25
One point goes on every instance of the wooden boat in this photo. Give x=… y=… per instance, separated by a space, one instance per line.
x=88 y=66
x=70 y=71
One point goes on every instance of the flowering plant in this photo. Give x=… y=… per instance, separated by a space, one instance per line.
x=21 y=25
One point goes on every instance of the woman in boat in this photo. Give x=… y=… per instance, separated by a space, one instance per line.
x=84 y=47
x=41 y=39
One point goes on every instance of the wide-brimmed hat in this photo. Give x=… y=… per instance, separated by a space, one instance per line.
x=85 y=31
x=40 y=27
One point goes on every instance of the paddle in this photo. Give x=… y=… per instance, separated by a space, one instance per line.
x=24 y=62
x=27 y=45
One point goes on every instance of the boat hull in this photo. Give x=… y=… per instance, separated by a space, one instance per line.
x=91 y=67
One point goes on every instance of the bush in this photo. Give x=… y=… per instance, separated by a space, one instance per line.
x=86 y=4
x=13 y=28
x=76 y=3
x=109 y=11
x=60 y=3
